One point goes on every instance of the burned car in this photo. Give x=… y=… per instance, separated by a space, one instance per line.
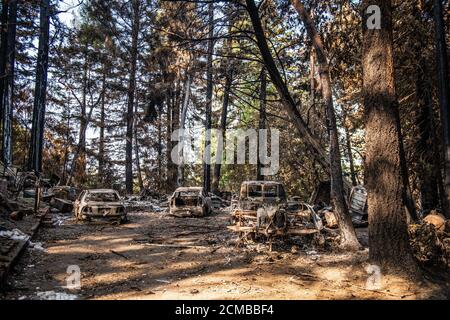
x=190 y=202
x=262 y=209
x=100 y=203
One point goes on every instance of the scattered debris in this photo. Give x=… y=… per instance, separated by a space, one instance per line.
x=53 y=295
x=61 y=204
x=430 y=245
x=14 y=234
x=119 y=254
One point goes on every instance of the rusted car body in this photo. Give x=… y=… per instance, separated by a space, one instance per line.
x=262 y=209
x=358 y=206
x=100 y=203
x=190 y=202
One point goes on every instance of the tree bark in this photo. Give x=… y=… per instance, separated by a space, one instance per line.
x=172 y=177
x=388 y=237
x=3 y=58
x=209 y=96
x=8 y=93
x=136 y=150
x=443 y=89
x=159 y=151
x=262 y=118
x=40 y=92
x=131 y=93
x=348 y=143
x=348 y=235
x=101 y=142
x=426 y=168
x=187 y=90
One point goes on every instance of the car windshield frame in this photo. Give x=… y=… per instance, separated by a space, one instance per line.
x=260 y=191
x=100 y=197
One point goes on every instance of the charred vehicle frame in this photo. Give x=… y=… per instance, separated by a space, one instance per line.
x=262 y=209
x=100 y=203
x=190 y=202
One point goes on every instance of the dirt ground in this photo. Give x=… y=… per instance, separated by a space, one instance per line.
x=156 y=256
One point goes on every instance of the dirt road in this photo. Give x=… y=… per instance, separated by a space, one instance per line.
x=156 y=256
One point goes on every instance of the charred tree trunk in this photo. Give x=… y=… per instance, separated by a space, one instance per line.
x=348 y=235
x=131 y=93
x=262 y=118
x=79 y=158
x=101 y=142
x=8 y=89
x=209 y=96
x=222 y=129
x=348 y=143
x=159 y=151
x=40 y=92
x=172 y=168
x=136 y=149
x=3 y=58
x=389 y=243
x=187 y=90
x=443 y=89
x=426 y=168
x=226 y=100
x=168 y=185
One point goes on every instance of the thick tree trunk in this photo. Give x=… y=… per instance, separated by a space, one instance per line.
x=209 y=96
x=443 y=89
x=40 y=92
x=3 y=58
x=8 y=93
x=131 y=92
x=262 y=118
x=348 y=235
x=425 y=155
x=389 y=244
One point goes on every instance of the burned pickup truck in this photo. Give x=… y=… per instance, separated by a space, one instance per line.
x=99 y=203
x=262 y=209
x=190 y=202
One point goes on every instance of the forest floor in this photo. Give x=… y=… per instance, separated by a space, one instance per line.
x=156 y=256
